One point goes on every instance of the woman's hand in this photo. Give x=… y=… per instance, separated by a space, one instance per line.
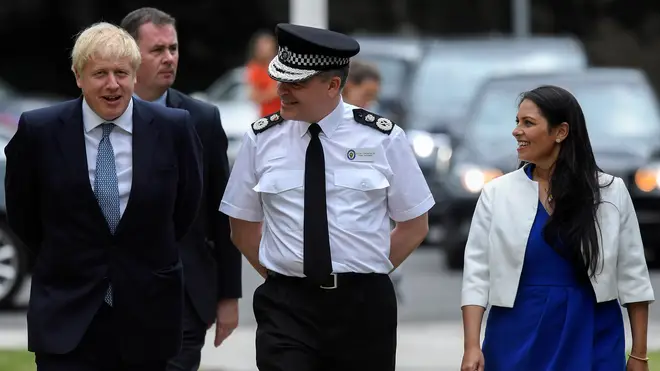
x=637 y=365
x=473 y=360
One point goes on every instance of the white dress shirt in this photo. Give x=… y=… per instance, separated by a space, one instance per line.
x=121 y=139
x=503 y=218
x=267 y=184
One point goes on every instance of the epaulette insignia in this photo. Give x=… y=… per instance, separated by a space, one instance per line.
x=373 y=120
x=266 y=122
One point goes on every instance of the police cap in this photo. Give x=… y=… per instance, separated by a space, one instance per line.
x=304 y=52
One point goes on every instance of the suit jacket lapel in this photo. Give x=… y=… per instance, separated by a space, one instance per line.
x=71 y=138
x=521 y=202
x=145 y=140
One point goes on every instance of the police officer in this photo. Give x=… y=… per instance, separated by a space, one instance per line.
x=310 y=199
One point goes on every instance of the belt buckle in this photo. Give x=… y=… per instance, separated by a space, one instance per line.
x=334 y=283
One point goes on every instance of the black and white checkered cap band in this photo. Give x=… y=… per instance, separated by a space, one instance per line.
x=308 y=61
x=311 y=65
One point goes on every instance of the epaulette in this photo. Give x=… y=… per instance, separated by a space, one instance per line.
x=266 y=122
x=373 y=120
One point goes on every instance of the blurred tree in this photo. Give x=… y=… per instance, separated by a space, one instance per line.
x=38 y=34
x=490 y=15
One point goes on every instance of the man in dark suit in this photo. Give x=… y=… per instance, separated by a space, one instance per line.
x=102 y=188
x=211 y=263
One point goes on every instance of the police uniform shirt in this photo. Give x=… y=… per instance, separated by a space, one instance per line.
x=370 y=177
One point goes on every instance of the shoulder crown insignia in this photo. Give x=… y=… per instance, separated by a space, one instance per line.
x=373 y=120
x=384 y=124
x=260 y=124
x=266 y=123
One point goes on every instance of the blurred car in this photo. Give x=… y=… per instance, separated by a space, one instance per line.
x=15 y=261
x=623 y=118
x=13 y=106
x=231 y=95
x=231 y=86
x=448 y=77
x=396 y=58
x=452 y=70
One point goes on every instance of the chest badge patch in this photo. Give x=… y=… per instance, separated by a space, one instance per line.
x=361 y=154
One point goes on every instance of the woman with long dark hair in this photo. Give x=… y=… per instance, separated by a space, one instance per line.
x=555 y=249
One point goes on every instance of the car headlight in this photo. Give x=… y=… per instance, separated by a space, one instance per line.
x=473 y=178
x=647 y=179
x=443 y=155
x=423 y=145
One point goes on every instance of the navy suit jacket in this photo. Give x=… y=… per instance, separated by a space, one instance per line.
x=211 y=262
x=51 y=207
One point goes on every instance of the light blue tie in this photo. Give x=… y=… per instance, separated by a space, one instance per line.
x=106 y=186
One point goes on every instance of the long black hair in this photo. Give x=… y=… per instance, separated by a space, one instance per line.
x=573 y=228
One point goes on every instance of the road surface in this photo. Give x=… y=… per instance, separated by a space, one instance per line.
x=429 y=332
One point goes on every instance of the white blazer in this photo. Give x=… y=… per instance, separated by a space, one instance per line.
x=500 y=228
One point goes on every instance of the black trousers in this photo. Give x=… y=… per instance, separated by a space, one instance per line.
x=97 y=351
x=194 y=336
x=302 y=327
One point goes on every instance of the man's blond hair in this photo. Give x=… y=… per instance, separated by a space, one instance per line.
x=105 y=41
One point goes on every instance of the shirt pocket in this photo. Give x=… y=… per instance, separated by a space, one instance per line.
x=282 y=197
x=361 y=202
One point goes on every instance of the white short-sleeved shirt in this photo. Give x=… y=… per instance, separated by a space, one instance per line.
x=371 y=176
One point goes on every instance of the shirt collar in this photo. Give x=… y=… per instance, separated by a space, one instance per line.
x=330 y=122
x=91 y=120
x=162 y=100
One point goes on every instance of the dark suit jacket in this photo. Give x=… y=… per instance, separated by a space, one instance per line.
x=52 y=208
x=211 y=262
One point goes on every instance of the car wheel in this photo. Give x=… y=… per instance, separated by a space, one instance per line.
x=13 y=264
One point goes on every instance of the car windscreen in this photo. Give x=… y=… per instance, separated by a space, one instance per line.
x=612 y=110
x=231 y=86
x=446 y=81
x=392 y=74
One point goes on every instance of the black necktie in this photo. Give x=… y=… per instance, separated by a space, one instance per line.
x=317 y=264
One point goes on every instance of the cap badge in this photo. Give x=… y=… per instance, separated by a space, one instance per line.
x=285 y=55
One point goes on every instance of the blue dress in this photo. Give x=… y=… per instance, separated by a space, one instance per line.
x=555 y=324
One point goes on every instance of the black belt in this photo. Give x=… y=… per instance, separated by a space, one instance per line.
x=334 y=280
